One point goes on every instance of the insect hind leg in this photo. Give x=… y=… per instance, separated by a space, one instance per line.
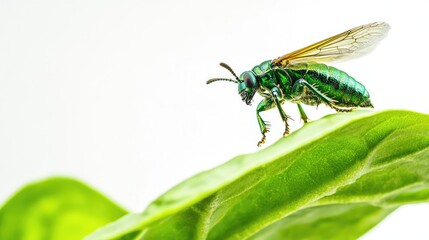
x=341 y=109
x=297 y=90
x=302 y=113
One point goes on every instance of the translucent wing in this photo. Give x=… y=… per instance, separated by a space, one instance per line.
x=352 y=43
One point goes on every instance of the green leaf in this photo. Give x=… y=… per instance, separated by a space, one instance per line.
x=333 y=179
x=56 y=208
x=336 y=221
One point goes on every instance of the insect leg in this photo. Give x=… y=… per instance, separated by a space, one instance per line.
x=264 y=105
x=338 y=109
x=302 y=113
x=297 y=90
x=278 y=98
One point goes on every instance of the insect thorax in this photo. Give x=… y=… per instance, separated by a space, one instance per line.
x=272 y=76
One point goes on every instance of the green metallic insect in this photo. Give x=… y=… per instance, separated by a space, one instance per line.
x=301 y=76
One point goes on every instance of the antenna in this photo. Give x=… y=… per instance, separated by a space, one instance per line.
x=229 y=69
x=236 y=80
x=221 y=79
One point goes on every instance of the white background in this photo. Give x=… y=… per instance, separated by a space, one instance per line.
x=113 y=92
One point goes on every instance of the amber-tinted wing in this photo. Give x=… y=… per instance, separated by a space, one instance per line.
x=351 y=43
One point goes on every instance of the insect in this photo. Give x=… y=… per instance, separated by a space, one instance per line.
x=302 y=77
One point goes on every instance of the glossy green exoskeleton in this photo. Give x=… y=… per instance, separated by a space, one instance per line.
x=301 y=76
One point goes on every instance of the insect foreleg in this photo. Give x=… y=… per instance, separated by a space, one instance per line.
x=264 y=105
x=278 y=98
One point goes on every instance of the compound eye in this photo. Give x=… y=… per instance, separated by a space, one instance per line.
x=249 y=80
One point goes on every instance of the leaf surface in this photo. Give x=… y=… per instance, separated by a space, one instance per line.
x=56 y=208
x=345 y=172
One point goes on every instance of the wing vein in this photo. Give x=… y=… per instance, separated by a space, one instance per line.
x=352 y=43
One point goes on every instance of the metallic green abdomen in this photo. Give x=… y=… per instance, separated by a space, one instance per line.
x=334 y=83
